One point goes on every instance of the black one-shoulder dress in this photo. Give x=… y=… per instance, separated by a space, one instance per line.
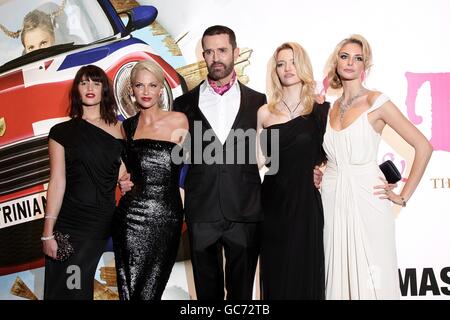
x=92 y=160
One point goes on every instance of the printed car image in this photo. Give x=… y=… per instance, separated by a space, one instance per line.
x=42 y=45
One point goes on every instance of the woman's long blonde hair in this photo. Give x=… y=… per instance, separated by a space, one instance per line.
x=331 y=67
x=303 y=67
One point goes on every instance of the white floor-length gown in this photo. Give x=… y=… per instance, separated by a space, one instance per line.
x=359 y=228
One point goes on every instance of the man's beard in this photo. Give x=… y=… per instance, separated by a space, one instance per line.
x=217 y=75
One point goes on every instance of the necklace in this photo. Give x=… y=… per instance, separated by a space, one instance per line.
x=344 y=106
x=291 y=112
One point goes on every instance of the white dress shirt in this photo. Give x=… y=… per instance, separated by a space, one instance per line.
x=220 y=110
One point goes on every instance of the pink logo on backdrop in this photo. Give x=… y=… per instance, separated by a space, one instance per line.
x=440 y=105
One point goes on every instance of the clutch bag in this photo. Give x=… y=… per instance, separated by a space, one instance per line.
x=65 y=248
x=390 y=172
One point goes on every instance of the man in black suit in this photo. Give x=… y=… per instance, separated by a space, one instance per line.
x=222 y=186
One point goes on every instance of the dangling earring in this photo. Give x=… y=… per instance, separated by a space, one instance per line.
x=325 y=86
x=161 y=101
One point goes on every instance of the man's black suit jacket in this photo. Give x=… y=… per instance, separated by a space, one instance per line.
x=222 y=190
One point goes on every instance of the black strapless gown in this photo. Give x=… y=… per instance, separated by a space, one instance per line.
x=148 y=219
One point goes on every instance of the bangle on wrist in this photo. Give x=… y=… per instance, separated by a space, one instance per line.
x=48 y=216
x=48 y=238
x=403 y=204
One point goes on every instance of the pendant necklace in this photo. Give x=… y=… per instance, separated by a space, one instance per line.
x=291 y=112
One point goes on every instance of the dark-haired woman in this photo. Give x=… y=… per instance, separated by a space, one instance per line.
x=85 y=158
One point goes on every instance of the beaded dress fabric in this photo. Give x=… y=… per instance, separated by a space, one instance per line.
x=148 y=219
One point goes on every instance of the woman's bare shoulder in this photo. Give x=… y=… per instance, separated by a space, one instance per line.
x=372 y=96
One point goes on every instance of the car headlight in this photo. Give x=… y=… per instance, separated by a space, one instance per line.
x=122 y=91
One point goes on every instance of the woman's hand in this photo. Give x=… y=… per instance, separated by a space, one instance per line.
x=387 y=193
x=49 y=247
x=125 y=184
x=317 y=176
x=319 y=98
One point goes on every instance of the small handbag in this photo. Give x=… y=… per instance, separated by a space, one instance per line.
x=390 y=172
x=65 y=248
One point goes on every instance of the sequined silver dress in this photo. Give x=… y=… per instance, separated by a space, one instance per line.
x=148 y=219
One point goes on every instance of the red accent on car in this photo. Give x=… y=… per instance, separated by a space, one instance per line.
x=22 y=193
x=47 y=64
x=23 y=267
x=11 y=80
x=28 y=106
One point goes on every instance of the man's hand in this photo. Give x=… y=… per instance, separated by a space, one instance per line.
x=125 y=184
x=317 y=176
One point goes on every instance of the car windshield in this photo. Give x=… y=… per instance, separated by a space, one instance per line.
x=26 y=26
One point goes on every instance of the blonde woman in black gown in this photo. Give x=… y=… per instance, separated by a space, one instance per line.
x=149 y=217
x=292 y=257
x=84 y=168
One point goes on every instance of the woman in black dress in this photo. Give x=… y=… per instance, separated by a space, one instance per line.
x=292 y=256
x=148 y=219
x=85 y=157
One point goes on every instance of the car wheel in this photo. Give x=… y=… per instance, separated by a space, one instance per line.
x=122 y=91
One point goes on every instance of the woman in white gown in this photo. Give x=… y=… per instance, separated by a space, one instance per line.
x=359 y=228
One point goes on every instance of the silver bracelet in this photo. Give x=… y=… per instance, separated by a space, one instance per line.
x=49 y=217
x=48 y=238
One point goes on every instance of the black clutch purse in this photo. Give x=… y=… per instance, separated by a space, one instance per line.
x=390 y=172
x=65 y=248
